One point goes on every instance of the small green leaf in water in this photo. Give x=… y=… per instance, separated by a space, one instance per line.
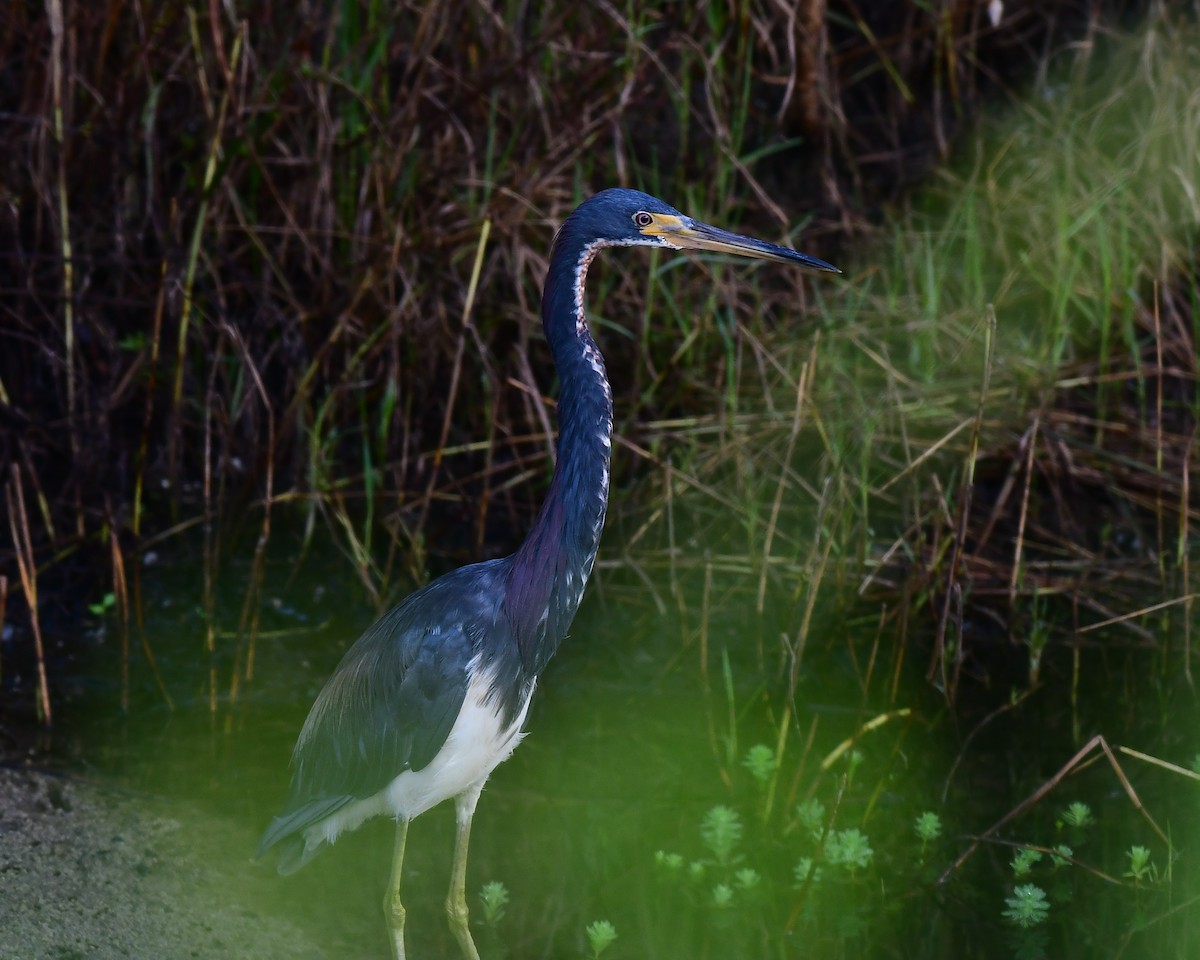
x=601 y=934
x=494 y=896
x=1028 y=906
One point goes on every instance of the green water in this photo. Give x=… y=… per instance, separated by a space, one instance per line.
x=630 y=744
x=616 y=764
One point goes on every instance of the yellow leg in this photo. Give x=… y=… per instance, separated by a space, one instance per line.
x=393 y=909
x=456 y=902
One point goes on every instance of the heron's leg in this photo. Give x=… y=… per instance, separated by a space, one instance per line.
x=393 y=909
x=456 y=902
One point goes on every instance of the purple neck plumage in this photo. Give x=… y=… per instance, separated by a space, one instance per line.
x=549 y=571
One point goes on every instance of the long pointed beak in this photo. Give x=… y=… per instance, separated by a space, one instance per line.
x=690 y=234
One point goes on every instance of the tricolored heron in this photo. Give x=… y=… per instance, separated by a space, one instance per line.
x=433 y=697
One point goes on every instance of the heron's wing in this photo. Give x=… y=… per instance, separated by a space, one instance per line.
x=387 y=708
x=393 y=699
x=294 y=852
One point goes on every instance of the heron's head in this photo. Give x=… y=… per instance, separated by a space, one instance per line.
x=620 y=217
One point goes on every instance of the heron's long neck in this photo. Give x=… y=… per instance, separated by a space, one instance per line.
x=551 y=568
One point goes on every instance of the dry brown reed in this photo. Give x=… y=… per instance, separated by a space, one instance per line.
x=234 y=253
x=1076 y=518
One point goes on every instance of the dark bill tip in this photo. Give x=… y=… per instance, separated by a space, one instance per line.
x=694 y=235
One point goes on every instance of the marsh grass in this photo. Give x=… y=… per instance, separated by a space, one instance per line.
x=988 y=439
x=237 y=250
x=1002 y=403
x=972 y=463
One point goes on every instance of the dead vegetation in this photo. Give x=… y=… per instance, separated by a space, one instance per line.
x=290 y=265
x=294 y=259
x=1072 y=522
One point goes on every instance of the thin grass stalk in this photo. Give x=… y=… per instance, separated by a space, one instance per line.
x=785 y=725
x=1007 y=706
x=799 y=775
x=815 y=569
x=1014 y=583
x=121 y=595
x=210 y=172
x=23 y=545
x=151 y=383
x=214 y=24
x=55 y=12
x=211 y=538
x=325 y=496
x=1078 y=761
x=797 y=420
x=1183 y=553
x=43 y=502
x=528 y=385
x=672 y=547
x=938 y=663
x=865 y=727
x=455 y=372
x=902 y=646
x=705 y=683
x=140 y=620
x=1143 y=611
x=252 y=605
x=1160 y=544
x=364 y=566
x=874 y=656
x=884 y=60
x=321 y=360
x=731 y=738
x=369 y=484
x=810 y=879
x=489 y=460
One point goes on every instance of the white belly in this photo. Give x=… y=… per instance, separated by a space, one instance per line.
x=477 y=744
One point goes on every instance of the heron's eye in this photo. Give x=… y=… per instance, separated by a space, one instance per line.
x=642 y=218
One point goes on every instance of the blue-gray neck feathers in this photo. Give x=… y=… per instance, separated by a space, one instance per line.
x=549 y=571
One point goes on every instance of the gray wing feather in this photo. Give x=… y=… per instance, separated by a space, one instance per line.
x=390 y=704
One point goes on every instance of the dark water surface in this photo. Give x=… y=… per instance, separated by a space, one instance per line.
x=629 y=745
x=617 y=764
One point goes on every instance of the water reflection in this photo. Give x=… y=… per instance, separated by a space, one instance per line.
x=618 y=763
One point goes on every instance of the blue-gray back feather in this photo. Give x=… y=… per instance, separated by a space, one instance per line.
x=392 y=701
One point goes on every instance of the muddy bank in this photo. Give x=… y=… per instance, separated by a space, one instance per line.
x=89 y=874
